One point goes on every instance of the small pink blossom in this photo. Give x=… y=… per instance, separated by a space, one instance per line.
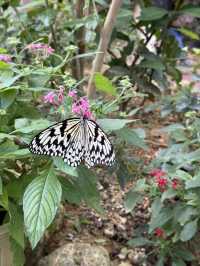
x=72 y=93
x=82 y=107
x=61 y=95
x=40 y=47
x=5 y=58
x=49 y=97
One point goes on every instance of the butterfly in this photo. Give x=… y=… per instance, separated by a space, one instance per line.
x=76 y=140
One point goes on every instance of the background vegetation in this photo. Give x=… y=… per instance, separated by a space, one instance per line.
x=47 y=50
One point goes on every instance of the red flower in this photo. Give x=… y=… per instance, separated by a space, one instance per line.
x=175 y=183
x=157 y=173
x=161 y=183
x=159 y=232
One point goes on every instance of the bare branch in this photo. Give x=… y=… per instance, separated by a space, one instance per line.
x=103 y=44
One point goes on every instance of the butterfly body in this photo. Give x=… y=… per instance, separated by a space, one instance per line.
x=75 y=140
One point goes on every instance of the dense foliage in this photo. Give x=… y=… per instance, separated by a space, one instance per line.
x=42 y=62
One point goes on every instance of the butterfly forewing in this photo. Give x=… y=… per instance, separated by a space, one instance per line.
x=56 y=139
x=76 y=140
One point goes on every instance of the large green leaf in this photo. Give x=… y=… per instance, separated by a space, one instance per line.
x=152 y=13
x=21 y=153
x=131 y=199
x=7 y=98
x=40 y=203
x=139 y=241
x=25 y=125
x=104 y=84
x=70 y=191
x=188 y=231
x=17 y=253
x=193 y=183
x=153 y=63
x=161 y=219
x=191 y=10
x=131 y=137
x=113 y=124
x=87 y=185
x=16 y=225
x=178 y=262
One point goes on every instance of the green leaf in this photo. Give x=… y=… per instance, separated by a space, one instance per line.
x=183 y=214
x=16 y=225
x=189 y=230
x=161 y=219
x=172 y=127
x=189 y=33
x=104 y=84
x=131 y=137
x=131 y=199
x=7 y=98
x=70 y=191
x=123 y=173
x=1 y=186
x=168 y=194
x=38 y=81
x=152 y=63
x=113 y=124
x=183 y=175
x=178 y=262
x=152 y=13
x=40 y=203
x=191 y=10
x=193 y=183
x=139 y=241
x=4 y=65
x=17 y=253
x=160 y=262
x=64 y=167
x=21 y=153
x=87 y=186
x=6 y=136
x=25 y=125
x=185 y=254
x=4 y=200
x=7 y=79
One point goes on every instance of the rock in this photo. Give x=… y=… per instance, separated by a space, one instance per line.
x=109 y=230
x=137 y=256
x=123 y=254
x=77 y=254
x=124 y=264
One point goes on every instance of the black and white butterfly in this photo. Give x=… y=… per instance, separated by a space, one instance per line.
x=76 y=140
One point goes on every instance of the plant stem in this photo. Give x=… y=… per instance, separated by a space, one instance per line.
x=78 y=63
x=103 y=44
x=52 y=28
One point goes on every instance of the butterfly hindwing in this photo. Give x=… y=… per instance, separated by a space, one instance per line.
x=76 y=140
x=100 y=150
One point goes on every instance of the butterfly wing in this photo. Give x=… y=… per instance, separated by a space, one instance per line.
x=99 y=150
x=63 y=139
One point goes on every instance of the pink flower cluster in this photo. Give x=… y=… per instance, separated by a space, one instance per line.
x=80 y=106
x=54 y=98
x=5 y=58
x=40 y=47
